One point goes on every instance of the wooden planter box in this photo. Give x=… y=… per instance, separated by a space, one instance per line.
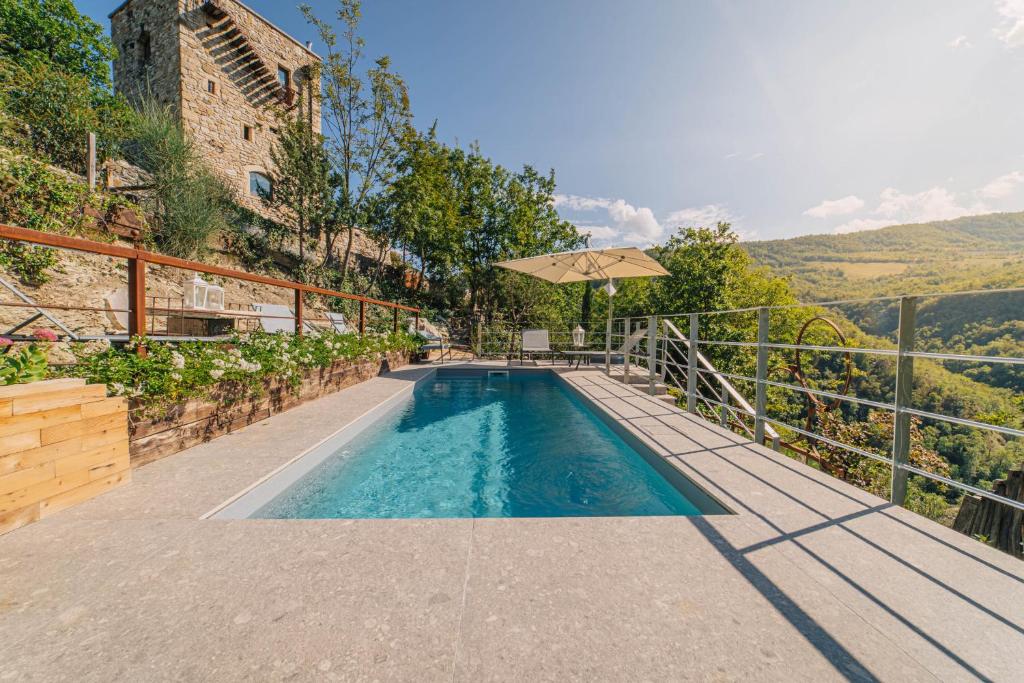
x=197 y=420
x=62 y=442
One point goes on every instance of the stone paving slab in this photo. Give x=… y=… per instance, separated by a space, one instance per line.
x=811 y=580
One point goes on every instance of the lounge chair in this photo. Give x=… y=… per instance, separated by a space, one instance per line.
x=280 y=318
x=536 y=342
x=338 y=322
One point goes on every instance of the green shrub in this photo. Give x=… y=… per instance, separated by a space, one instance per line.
x=188 y=201
x=35 y=196
x=170 y=373
x=51 y=112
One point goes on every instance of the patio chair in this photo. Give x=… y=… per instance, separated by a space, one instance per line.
x=280 y=318
x=338 y=322
x=536 y=342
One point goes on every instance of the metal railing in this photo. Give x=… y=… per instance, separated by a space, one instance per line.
x=662 y=352
x=137 y=307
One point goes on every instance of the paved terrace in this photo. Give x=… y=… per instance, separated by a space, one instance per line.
x=811 y=580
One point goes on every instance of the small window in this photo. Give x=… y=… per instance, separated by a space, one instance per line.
x=145 y=48
x=211 y=87
x=260 y=185
x=247 y=133
x=284 y=77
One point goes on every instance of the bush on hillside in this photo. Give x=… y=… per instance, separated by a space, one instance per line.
x=187 y=202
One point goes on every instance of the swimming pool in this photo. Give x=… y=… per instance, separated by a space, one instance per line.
x=474 y=444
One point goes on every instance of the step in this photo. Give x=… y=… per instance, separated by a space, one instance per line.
x=642 y=382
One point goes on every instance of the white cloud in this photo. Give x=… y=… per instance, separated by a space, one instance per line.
x=959 y=42
x=836 y=207
x=936 y=204
x=1012 y=30
x=699 y=216
x=616 y=220
x=578 y=203
x=897 y=208
x=1003 y=186
x=598 y=232
x=637 y=223
x=755 y=156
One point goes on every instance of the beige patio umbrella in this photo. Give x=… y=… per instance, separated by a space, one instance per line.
x=589 y=264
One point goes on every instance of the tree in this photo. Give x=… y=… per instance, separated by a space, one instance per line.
x=52 y=111
x=366 y=116
x=301 y=179
x=52 y=32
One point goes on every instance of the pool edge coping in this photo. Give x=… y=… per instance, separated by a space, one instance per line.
x=226 y=509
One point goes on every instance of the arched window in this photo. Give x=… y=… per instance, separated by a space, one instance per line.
x=260 y=185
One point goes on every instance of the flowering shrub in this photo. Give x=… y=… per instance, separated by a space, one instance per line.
x=173 y=372
x=27 y=364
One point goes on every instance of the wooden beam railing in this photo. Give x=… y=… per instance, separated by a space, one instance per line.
x=138 y=259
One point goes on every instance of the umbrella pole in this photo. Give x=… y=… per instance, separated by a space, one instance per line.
x=608 y=339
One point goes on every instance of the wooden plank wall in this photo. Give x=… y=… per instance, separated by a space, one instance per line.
x=198 y=420
x=62 y=442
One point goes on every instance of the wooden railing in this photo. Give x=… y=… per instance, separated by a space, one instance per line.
x=138 y=259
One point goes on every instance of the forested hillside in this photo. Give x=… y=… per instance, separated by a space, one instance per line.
x=974 y=252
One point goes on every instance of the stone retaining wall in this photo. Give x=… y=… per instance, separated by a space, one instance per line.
x=199 y=420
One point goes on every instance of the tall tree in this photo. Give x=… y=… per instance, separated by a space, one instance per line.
x=301 y=180
x=365 y=114
x=54 y=33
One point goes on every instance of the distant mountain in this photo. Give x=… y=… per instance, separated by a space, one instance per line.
x=966 y=253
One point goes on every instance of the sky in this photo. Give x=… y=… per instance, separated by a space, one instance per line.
x=784 y=118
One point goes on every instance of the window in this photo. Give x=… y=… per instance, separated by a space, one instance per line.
x=145 y=49
x=284 y=77
x=260 y=185
x=247 y=133
x=211 y=87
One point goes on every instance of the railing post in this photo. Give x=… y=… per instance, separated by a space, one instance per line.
x=691 y=365
x=903 y=399
x=626 y=346
x=90 y=161
x=298 y=311
x=723 y=410
x=362 y=318
x=664 y=352
x=479 y=338
x=608 y=343
x=761 y=374
x=137 y=299
x=652 y=353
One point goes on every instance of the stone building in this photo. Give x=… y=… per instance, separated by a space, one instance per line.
x=228 y=72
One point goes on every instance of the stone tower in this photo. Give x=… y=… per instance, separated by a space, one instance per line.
x=229 y=73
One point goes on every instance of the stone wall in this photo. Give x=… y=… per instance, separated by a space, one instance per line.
x=199 y=420
x=61 y=442
x=205 y=64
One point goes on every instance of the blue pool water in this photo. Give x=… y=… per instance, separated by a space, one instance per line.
x=478 y=446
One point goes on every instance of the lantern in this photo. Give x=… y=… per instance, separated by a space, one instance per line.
x=578 y=336
x=196 y=291
x=215 y=298
x=610 y=287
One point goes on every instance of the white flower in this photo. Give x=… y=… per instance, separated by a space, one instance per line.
x=118 y=388
x=177 y=360
x=218 y=362
x=175 y=376
x=216 y=374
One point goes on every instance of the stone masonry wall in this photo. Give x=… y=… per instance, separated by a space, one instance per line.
x=212 y=82
x=145 y=33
